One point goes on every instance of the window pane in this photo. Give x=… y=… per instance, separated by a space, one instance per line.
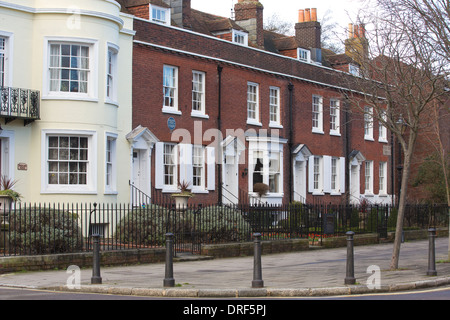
x=68 y=163
x=69 y=68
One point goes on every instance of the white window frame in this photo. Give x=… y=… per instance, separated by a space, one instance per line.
x=174 y=156
x=354 y=70
x=240 y=37
x=7 y=58
x=199 y=94
x=91 y=180
x=182 y=157
x=368 y=123
x=111 y=74
x=92 y=74
x=382 y=130
x=368 y=177
x=274 y=172
x=275 y=107
x=268 y=148
x=316 y=175
x=199 y=162
x=335 y=118
x=253 y=103
x=334 y=175
x=111 y=163
x=304 y=55
x=170 y=86
x=382 y=182
x=317 y=114
x=164 y=14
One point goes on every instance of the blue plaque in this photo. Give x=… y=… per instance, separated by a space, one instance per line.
x=171 y=123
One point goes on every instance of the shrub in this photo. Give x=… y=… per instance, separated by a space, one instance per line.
x=223 y=224
x=144 y=226
x=44 y=231
x=149 y=226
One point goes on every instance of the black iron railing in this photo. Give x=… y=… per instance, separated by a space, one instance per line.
x=18 y=103
x=49 y=229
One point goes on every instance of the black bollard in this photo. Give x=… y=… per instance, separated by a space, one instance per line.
x=350 y=276
x=169 y=281
x=432 y=253
x=96 y=278
x=257 y=266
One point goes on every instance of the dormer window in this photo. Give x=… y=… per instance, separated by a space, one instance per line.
x=240 y=37
x=160 y=14
x=304 y=55
x=353 y=69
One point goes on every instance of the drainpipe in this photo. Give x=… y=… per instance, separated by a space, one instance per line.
x=347 y=150
x=392 y=170
x=291 y=140
x=219 y=127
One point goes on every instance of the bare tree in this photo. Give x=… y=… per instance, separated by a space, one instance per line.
x=402 y=79
x=435 y=15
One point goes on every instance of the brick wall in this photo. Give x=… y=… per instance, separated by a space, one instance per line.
x=148 y=99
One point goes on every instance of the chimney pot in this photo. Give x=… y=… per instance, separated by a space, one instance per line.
x=301 y=16
x=350 y=30
x=307 y=15
x=314 y=14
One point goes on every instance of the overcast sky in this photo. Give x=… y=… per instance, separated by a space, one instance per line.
x=343 y=11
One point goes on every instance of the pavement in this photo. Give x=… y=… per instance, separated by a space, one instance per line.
x=317 y=272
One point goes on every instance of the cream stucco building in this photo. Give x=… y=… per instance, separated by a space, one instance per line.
x=66 y=99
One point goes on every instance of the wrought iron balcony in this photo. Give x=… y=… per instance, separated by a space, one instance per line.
x=17 y=103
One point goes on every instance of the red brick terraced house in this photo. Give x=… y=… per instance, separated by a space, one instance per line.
x=224 y=105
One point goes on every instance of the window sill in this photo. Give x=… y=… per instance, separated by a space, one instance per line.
x=266 y=196
x=367 y=138
x=112 y=102
x=170 y=190
x=70 y=97
x=171 y=111
x=196 y=114
x=383 y=141
x=199 y=191
x=318 y=131
x=275 y=125
x=62 y=190
x=335 y=133
x=254 y=122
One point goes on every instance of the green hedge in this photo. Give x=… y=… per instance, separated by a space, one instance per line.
x=44 y=231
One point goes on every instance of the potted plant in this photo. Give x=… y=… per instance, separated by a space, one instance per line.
x=7 y=195
x=261 y=189
x=181 y=198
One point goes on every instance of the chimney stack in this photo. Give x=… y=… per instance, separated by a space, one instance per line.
x=357 y=45
x=180 y=12
x=249 y=15
x=308 y=33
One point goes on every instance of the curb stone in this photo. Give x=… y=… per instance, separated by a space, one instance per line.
x=254 y=293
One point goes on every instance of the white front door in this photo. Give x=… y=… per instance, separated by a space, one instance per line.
x=230 y=188
x=300 y=181
x=141 y=176
x=354 y=184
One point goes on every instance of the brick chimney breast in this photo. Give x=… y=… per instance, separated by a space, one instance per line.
x=249 y=15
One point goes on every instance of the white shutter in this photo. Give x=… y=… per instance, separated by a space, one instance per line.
x=327 y=174
x=159 y=165
x=342 y=174
x=211 y=167
x=186 y=163
x=311 y=174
